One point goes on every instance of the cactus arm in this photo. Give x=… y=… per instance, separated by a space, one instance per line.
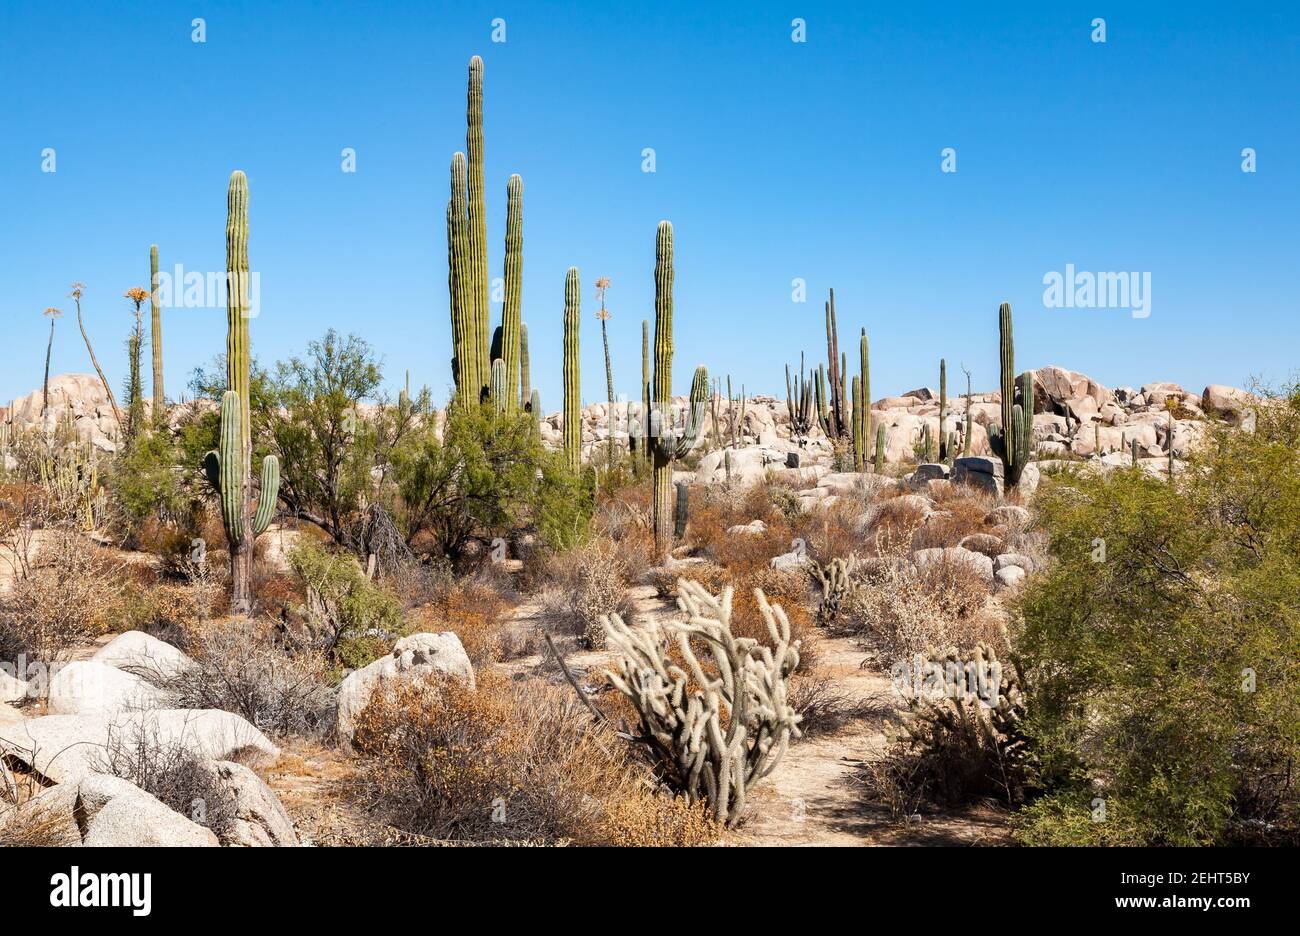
x=232 y=479
x=270 y=495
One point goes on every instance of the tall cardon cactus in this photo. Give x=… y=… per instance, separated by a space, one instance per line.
x=572 y=389
x=667 y=442
x=156 y=341
x=1012 y=441
x=230 y=467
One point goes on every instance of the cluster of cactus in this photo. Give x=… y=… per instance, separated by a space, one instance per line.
x=667 y=442
x=1012 y=441
x=474 y=359
x=798 y=402
x=712 y=736
x=735 y=420
x=862 y=405
x=837 y=581
x=69 y=476
x=831 y=406
x=572 y=398
x=229 y=469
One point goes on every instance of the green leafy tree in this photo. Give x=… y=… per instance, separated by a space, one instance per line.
x=1162 y=647
x=479 y=479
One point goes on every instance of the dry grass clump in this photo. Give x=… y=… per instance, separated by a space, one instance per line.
x=510 y=762
x=72 y=594
x=747 y=620
x=901 y=610
x=711 y=575
x=957 y=518
x=179 y=778
x=240 y=669
x=825 y=706
x=586 y=585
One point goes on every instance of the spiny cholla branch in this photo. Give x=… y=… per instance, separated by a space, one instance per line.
x=714 y=736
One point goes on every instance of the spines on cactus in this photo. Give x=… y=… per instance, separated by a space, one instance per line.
x=572 y=399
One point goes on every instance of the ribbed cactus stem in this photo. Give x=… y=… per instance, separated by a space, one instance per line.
x=511 y=324
x=269 y=495
x=230 y=470
x=572 y=399
x=525 y=372
x=943 y=410
x=1012 y=441
x=477 y=219
x=156 y=341
x=499 y=394
x=535 y=404
x=460 y=285
x=859 y=434
x=864 y=363
x=966 y=436
x=880 y=448
x=666 y=443
x=683 y=509
x=646 y=389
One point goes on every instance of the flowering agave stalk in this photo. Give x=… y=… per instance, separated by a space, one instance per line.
x=135 y=387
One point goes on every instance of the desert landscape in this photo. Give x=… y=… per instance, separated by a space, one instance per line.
x=288 y=609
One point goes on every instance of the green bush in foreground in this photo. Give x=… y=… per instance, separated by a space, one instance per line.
x=1162 y=652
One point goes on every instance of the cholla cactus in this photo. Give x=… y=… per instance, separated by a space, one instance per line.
x=713 y=737
x=837 y=583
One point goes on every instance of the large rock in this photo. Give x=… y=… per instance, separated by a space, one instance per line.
x=104 y=810
x=1226 y=402
x=418 y=656
x=260 y=820
x=118 y=814
x=65 y=748
x=1055 y=386
x=1009 y=576
x=139 y=653
x=89 y=687
x=981 y=472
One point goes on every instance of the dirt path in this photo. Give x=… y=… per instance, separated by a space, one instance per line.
x=813 y=797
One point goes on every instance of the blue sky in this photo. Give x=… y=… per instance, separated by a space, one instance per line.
x=774 y=160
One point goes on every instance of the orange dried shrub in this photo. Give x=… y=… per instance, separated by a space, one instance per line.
x=474 y=612
x=510 y=761
x=747 y=620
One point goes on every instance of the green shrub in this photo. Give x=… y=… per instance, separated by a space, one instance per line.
x=356 y=619
x=479 y=479
x=1161 y=673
